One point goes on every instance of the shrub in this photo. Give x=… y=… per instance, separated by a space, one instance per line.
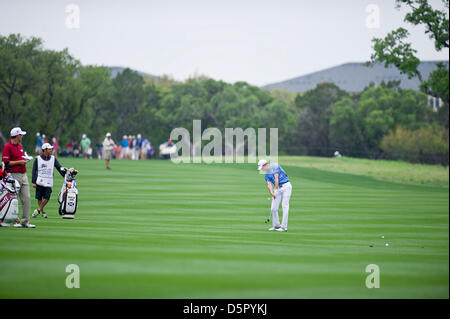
x=424 y=145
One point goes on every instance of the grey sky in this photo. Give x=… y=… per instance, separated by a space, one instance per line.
x=258 y=41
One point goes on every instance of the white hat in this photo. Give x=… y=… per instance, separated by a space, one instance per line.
x=261 y=163
x=38 y=134
x=139 y=136
x=84 y=136
x=17 y=131
x=108 y=134
x=46 y=146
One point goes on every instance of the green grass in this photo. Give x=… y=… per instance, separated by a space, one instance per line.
x=153 y=229
x=384 y=170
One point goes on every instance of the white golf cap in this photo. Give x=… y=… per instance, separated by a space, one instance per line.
x=139 y=136
x=38 y=134
x=261 y=163
x=108 y=134
x=46 y=146
x=17 y=131
x=84 y=136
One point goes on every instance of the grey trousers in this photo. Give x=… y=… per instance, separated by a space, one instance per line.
x=24 y=195
x=283 y=197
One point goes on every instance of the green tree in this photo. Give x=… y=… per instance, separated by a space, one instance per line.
x=345 y=129
x=314 y=110
x=394 y=49
x=75 y=97
x=20 y=73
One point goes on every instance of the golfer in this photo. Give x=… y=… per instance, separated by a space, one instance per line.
x=108 y=146
x=15 y=162
x=42 y=177
x=280 y=189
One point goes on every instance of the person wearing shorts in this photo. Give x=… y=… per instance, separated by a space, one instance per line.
x=42 y=177
x=108 y=147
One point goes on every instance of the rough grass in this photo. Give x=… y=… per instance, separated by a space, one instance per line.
x=383 y=170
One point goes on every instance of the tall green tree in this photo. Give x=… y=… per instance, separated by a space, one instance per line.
x=20 y=73
x=345 y=130
x=394 y=49
x=314 y=110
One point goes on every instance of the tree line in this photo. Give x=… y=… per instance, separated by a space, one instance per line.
x=52 y=92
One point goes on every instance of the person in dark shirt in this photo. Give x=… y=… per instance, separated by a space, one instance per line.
x=42 y=177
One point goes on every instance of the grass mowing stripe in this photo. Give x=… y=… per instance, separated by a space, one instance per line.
x=153 y=229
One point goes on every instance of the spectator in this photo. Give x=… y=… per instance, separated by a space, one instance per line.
x=117 y=151
x=68 y=150
x=99 y=147
x=75 y=149
x=55 y=147
x=108 y=147
x=139 y=146
x=134 y=148
x=147 y=149
x=124 y=145
x=15 y=163
x=86 y=146
x=38 y=143
x=130 y=140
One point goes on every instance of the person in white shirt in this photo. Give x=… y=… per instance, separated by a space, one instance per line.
x=42 y=177
x=108 y=147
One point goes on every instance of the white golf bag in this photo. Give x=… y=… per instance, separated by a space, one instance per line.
x=9 y=205
x=68 y=196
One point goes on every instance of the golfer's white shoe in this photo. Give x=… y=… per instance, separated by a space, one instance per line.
x=281 y=229
x=35 y=213
x=44 y=215
x=274 y=228
x=27 y=225
x=2 y=224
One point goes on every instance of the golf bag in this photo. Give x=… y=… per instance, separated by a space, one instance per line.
x=9 y=205
x=68 y=196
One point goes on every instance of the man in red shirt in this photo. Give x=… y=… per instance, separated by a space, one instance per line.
x=15 y=163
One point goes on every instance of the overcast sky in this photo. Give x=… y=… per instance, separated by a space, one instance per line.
x=258 y=41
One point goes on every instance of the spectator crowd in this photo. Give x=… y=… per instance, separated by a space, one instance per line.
x=134 y=147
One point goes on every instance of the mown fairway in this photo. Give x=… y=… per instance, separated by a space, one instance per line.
x=153 y=229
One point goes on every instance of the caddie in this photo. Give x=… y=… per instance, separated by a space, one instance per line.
x=42 y=177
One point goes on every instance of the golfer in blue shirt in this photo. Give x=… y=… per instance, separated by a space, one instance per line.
x=280 y=189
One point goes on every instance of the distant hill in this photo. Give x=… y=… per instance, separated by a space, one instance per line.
x=119 y=69
x=353 y=77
